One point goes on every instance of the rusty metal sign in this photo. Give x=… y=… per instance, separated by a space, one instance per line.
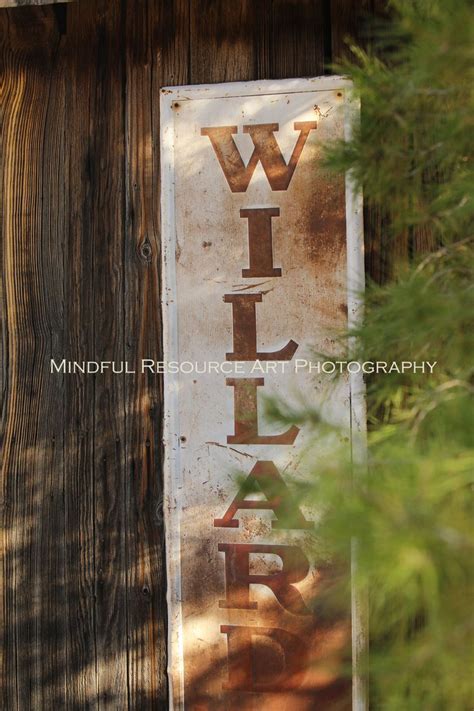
x=262 y=258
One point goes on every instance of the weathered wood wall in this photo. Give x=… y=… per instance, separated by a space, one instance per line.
x=24 y=3
x=83 y=606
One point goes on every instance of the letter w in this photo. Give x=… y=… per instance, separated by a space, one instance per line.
x=266 y=150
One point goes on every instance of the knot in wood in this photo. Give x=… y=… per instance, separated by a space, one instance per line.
x=145 y=250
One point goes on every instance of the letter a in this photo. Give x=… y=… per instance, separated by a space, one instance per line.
x=265 y=478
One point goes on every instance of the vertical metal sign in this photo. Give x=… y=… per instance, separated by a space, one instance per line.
x=262 y=258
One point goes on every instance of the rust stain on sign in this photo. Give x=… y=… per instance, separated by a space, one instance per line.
x=255 y=265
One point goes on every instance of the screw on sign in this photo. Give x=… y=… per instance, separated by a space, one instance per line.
x=255 y=272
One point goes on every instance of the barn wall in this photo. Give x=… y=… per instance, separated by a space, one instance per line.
x=83 y=609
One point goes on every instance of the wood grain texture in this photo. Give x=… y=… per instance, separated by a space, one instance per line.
x=94 y=29
x=156 y=54
x=352 y=22
x=238 y=41
x=221 y=41
x=83 y=606
x=290 y=37
x=79 y=416
x=25 y=3
x=33 y=552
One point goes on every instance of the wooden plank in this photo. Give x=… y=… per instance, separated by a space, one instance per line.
x=157 y=41
x=256 y=40
x=79 y=417
x=221 y=41
x=65 y=640
x=351 y=22
x=94 y=29
x=34 y=655
x=289 y=35
x=82 y=49
x=25 y=3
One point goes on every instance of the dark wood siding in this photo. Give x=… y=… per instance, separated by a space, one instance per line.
x=83 y=606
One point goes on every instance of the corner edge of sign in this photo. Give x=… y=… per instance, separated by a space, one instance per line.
x=170 y=419
x=358 y=414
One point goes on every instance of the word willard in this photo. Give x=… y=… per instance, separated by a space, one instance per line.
x=264 y=477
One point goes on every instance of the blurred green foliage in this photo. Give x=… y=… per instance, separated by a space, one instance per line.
x=412 y=511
